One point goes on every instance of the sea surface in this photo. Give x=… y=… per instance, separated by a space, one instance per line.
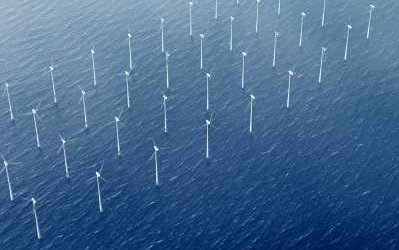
x=322 y=174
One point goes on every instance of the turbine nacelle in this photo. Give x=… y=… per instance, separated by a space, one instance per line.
x=208 y=122
x=231 y=18
x=98 y=175
x=51 y=68
x=126 y=74
x=290 y=72
x=349 y=27
x=117 y=119
x=244 y=54
x=303 y=14
x=165 y=97
x=252 y=97
x=129 y=35
x=156 y=148
x=202 y=36
x=33 y=201
x=92 y=51
x=372 y=6
x=208 y=75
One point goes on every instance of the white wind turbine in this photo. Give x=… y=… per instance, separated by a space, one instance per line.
x=94 y=67
x=323 y=14
x=257 y=15
x=202 y=36
x=39 y=236
x=322 y=59
x=372 y=7
x=156 y=150
x=6 y=164
x=165 y=98
x=290 y=75
x=208 y=76
x=6 y=89
x=190 y=6
x=275 y=48
x=167 y=68
x=349 y=28
x=117 y=122
x=35 y=117
x=251 y=113
x=207 y=124
x=52 y=81
x=163 y=35
x=231 y=33
x=279 y=8
x=127 y=89
x=83 y=100
x=63 y=142
x=129 y=35
x=216 y=9
x=301 y=33
x=98 y=178
x=244 y=55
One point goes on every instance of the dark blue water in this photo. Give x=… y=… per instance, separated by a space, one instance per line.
x=321 y=175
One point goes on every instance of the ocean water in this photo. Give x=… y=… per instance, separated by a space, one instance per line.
x=322 y=174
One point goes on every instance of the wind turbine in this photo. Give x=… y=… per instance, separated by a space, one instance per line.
x=202 y=36
x=279 y=8
x=130 y=50
x=257 y=15
x=38 y=234
x=9 y=101
x=290 y=74
x=372 y=7
x=207 y=124
x=36 y=116
x=190 y=6
x=216 y=9
x=165 y=98
x=251 y=115
x=167 y=69
x=324 y=14
x=98 y=177
x=94 y=67
x=83 y=100
x=63 y=141
x=117 y=120
x=52 y=81
x=349 y=28
x=300 y=35
x=208 y=76
x=322 y=58
x=127 y=89
x=156 y=150
x=274 y=48
x=231 y=33
x=244 y=54
x=162 y=35
x=5 y=167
